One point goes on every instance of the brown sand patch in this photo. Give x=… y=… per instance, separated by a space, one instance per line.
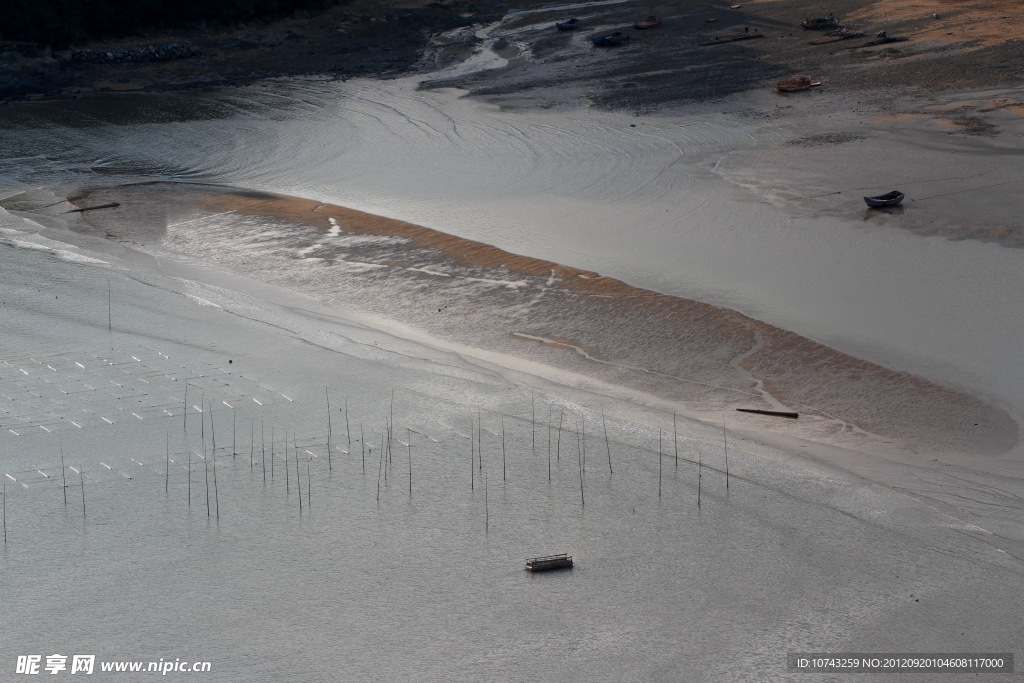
x=981 y=23
x=465 y=251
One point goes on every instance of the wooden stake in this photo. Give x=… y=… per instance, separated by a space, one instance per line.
x=81 y=477
x=503 y=448
x=309 y=488
x=362 y=446
x=252 y=441
x=167 y=467
x=263 y=450
x=408 y=438
x=234 y=433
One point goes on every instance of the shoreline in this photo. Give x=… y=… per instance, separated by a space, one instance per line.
x=691 y=357
x=970 y=45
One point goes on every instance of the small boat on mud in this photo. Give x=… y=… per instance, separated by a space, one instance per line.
x=881 y=41
x=568 y=25
x=648 y=22
x=610 y=39
x=883 y=200
x=796 y=84
x=835 y=36
x=820 y=23
x=733 y=37
x=548 y=562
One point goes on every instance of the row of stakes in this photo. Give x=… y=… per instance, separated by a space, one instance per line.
x=384 y=457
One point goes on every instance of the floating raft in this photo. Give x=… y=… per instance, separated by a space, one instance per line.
x=548 y=562
x=773 y=413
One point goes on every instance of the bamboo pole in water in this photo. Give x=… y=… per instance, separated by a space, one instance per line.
x=298 y=479
x=5 y=510
x=81 y=477
x=380 y=464
x=503 y=475
x=659 y=462
x=487 y=509
x=408 y=437
x=558 y=441
x=607 y=446
x=362 y=445
x=206 y=456
x=533 y=427
x=327 y=395
x=252 y=441
x=348 y=432
x=287 y=476
x=583 y=440
x=579 y=462
x=63 y=475
x=725 y=442
x=213 y=453
x=263 y=450
x=472 y=458
x=167 y=466
x=700 y=473
x=675 y=439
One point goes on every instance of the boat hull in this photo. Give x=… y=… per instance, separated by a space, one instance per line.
x=891 y=199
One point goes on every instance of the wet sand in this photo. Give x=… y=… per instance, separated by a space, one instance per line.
x=670 y=353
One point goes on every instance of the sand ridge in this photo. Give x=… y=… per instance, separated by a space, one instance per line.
x=694 y=355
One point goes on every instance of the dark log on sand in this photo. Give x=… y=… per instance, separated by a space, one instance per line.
x=774 y=413
x=111 y=205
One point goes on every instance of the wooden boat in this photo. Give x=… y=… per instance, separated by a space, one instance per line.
x=648 y=22
x=610 y=39
x=548 y=562
x=889 y=199
x=733 y=37
x=568 y=25
x=881 y=41
x=836 y=36
x=774 y=413
x=820 y=23
x=796 y=84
